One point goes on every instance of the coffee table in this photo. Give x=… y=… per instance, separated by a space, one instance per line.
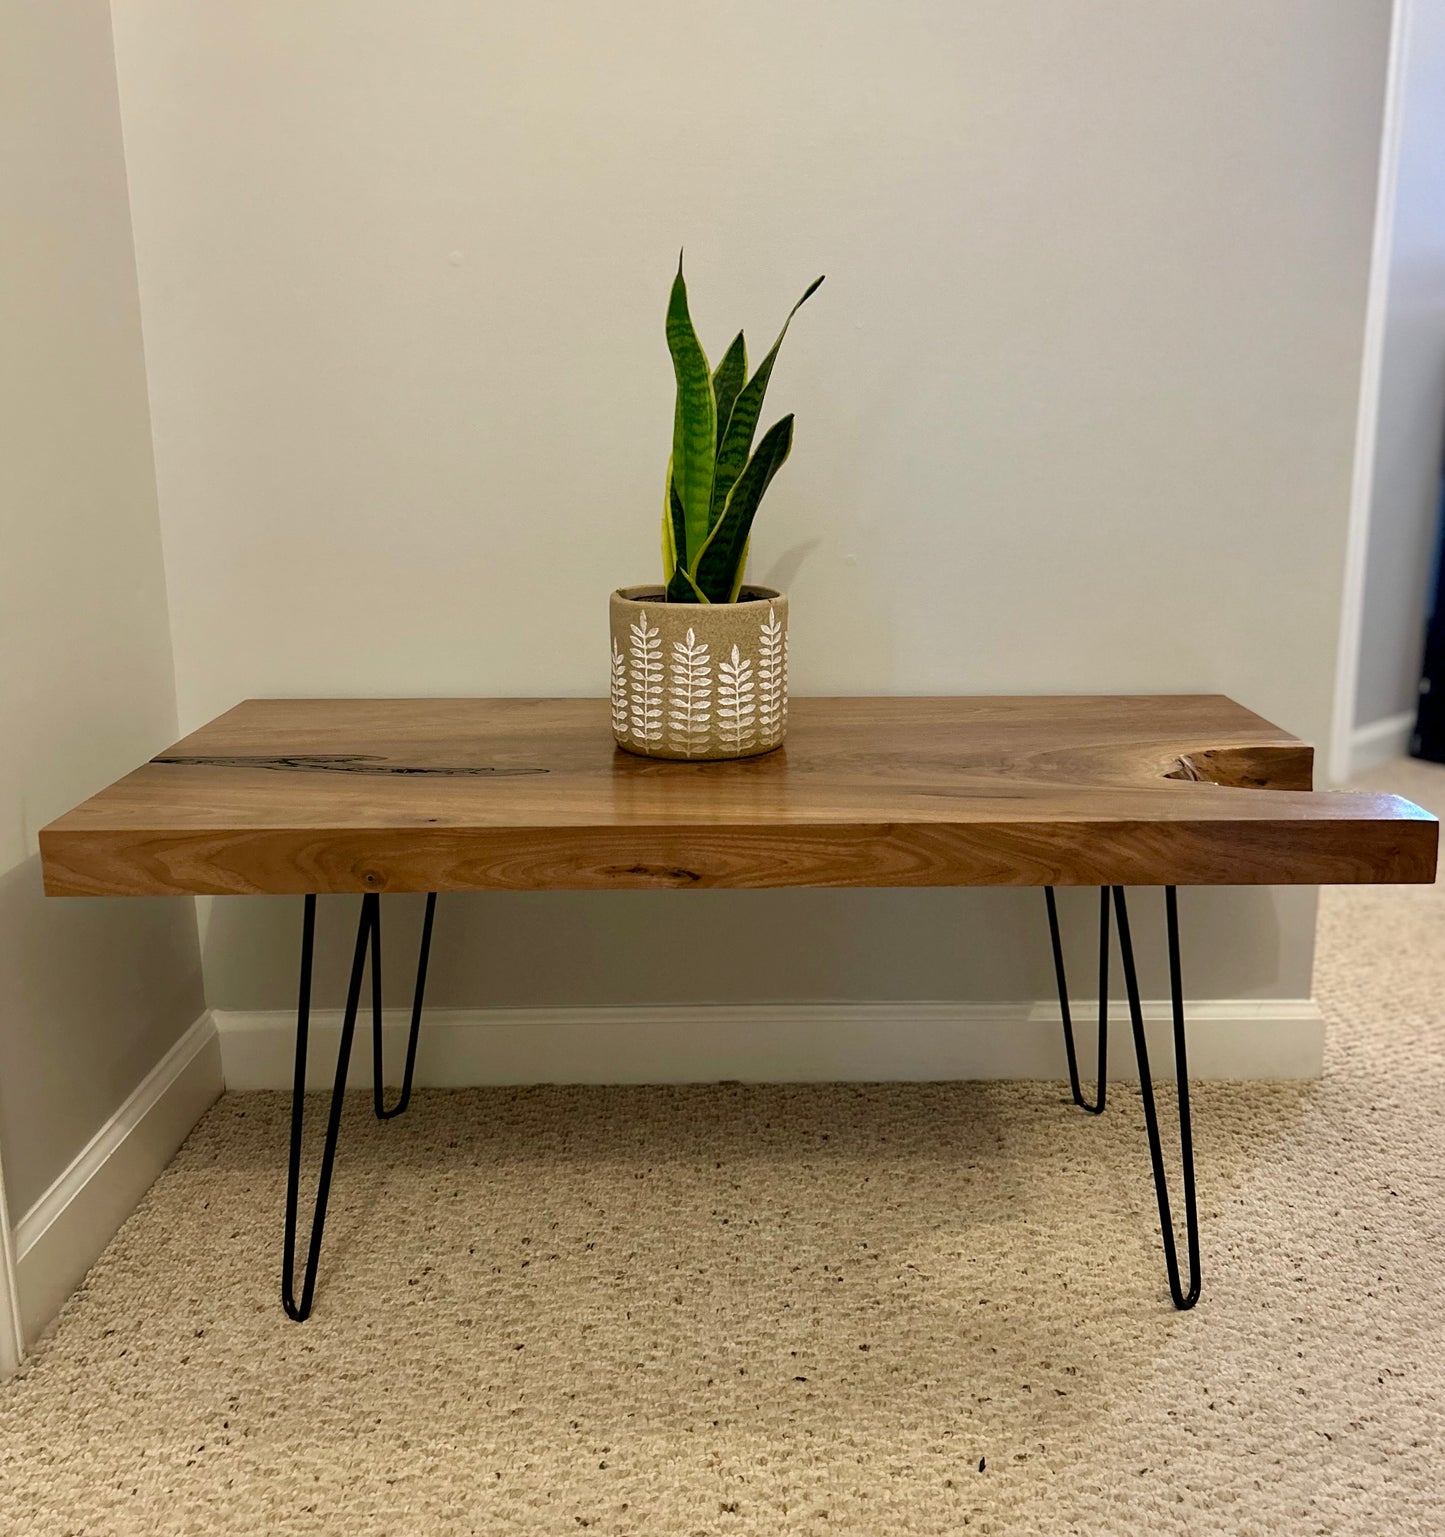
x=374 y=796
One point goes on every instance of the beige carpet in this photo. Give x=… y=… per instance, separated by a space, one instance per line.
x=753 y=1310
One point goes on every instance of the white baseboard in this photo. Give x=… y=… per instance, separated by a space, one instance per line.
x=63 y=1234
x=1380 y=741
x=773 y=1043
x=12 y=1335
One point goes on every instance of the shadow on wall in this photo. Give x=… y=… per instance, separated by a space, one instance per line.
x=93 y=992
x=594 y=949
x=1231 y=934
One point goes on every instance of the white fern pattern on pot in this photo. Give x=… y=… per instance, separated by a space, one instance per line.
x=770 y=679
x=784 y=723
x=619 y=688
x=736 y=704
x=689 y=695
x=646 y=692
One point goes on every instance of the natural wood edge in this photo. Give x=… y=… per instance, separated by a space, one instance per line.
x=1212 y=851
x=1286 y=766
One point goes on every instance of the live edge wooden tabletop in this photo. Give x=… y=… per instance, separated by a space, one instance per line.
x=336 y=795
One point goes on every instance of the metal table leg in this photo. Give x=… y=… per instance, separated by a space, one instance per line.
x=368 y=939
x=1183 y=1299
x=1097 y=1108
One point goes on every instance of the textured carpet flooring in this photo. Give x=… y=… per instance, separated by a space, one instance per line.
x=751 y=1310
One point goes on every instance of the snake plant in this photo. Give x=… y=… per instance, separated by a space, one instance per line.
x=715 y=478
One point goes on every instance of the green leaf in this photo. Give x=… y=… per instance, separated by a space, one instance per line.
x=694 y=427
x=741 y=571
x=673 y=533
x=736 y=443
x=677 y=528
x=717 y=565
x=669 y=538
x=727 y=380
x=682 y=589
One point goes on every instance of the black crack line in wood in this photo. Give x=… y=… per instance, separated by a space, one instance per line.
x=346 y=764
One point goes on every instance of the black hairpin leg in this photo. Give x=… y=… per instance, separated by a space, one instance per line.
x=368 y=938
x=423 y=954
x=1097 y=1107
x=301 y=1310
x=1182 y=1299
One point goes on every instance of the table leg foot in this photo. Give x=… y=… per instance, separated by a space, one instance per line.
x=368 y=940
x=1097 y=1108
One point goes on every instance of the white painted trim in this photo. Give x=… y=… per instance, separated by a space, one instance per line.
x=771 y=1043
x=1381 y=741
x=63 y=1234
x=12 y=1335
x=1357 y=531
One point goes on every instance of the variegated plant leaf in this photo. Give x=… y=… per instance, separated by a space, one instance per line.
x=717 y=565
x=682 y=588
x=669 y=536
x=727 y=381
x=694 y=428
x=736 y=443
x=741 y=571
x=678 y=532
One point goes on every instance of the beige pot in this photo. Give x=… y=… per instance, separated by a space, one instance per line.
x=699 y=680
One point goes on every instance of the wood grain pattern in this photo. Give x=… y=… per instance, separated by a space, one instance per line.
x=337 y=795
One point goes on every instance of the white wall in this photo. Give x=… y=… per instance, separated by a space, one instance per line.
x=92 y=994
x=1075 y=408
x=1405 y=485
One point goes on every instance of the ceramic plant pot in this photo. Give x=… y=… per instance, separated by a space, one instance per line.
x=699 y=680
